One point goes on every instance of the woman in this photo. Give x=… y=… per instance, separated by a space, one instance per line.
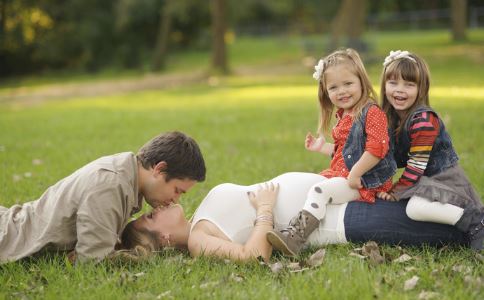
x=233 y=220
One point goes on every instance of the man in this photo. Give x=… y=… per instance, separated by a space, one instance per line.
x=88 y=210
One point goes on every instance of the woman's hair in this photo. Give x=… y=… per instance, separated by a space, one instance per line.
x=352 y=60
x=410 y=68
x=136 y=244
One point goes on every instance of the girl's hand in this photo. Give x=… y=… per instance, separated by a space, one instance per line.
x=266 y=197
x=314 y=144
x=354 y=182
x=387 y=196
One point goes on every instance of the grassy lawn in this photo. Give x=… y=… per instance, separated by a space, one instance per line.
x=250 y=127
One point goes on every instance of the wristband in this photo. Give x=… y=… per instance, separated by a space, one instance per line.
x=265 y=219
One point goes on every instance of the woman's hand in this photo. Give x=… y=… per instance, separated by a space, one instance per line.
x=266 y=197
x=387 y=196
x=314 y=144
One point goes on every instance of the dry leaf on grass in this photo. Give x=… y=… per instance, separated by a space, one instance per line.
x=462 y=269
x=411 y=283
x=317 y=258
x=424 y=295
x=294 y=266
x=276 y=267
x=402 y=258
x=372 y=250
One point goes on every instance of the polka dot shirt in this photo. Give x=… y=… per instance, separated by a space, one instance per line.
x=377 y=143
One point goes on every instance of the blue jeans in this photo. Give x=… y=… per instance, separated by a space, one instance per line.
x=387 y=222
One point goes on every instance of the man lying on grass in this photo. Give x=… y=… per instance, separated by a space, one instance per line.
x=88 y=210
x=233 y=221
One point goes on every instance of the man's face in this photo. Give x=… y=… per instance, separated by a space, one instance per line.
x=159 y=192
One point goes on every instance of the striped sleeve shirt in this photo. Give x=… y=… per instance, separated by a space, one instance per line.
x=424 y=129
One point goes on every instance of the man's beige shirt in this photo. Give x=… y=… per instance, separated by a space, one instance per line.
x=85 y=211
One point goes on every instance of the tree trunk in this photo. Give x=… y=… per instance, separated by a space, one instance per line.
x=219 y=51
x=161 y=47
x=458 y=10
x=350 y=23
x=3 y=16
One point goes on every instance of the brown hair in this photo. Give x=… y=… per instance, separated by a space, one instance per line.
x=180 y=152
x=415 y=71
x=350 y=58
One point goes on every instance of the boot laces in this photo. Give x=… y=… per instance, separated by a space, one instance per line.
x=297 y=225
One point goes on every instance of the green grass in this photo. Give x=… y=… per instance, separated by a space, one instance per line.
x=251 y=128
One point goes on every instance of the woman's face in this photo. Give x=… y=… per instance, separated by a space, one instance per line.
x=164 y=220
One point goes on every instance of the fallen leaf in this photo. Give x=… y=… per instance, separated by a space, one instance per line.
x=424 y=295
x=298 y=271
x=294 y=266
x=357 y=255
x=317 y=258
x=411 y=283
x=402 y=258
x=208 y=284
x=16 y=177
x=462 y=269
x=372 y=250
x=236 y=277
x=276 y=267
x=27 y=174
x=37 y=162
x=166 y=294
x=369 y=247
x=478 y=281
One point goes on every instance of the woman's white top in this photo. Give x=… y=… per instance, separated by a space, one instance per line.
x=228 y=207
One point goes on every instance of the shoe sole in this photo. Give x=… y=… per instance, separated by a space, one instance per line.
x=279 y=244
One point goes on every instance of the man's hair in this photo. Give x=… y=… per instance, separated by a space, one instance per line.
x=180 y=152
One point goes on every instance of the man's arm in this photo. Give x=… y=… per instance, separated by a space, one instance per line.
x=99 y=219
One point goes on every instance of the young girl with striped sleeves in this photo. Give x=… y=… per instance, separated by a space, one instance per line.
x=438 y=189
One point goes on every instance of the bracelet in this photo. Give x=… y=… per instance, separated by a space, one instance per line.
x=265 y=219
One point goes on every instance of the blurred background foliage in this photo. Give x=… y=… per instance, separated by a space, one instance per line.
x=88 y=36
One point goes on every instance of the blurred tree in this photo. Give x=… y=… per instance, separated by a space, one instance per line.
x=161 y=48
x=349 y=22
x=458 y=10
x=219 y=51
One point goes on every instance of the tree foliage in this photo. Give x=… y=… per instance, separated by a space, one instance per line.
x=90 y=35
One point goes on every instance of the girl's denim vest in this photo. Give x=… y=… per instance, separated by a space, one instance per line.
x=354 y=148
x=442 y=155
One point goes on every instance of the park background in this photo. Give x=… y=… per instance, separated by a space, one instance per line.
x=82 y=79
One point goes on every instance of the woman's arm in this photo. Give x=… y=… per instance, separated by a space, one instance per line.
x=206 y=238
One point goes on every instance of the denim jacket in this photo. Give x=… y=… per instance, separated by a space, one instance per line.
x=354 y=148
x=442 y=155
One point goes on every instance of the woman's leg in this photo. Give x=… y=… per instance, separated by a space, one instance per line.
x=291 y=240
x=330 y=191
x=422 y=209
x=387 y=222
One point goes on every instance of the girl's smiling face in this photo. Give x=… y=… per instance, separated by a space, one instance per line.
x=401 y=94
x=343 y=87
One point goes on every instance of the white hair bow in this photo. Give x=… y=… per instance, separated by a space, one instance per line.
x=319 y=70
x=394 y=55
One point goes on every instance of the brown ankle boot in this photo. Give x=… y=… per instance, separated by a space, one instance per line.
x=291 y=240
